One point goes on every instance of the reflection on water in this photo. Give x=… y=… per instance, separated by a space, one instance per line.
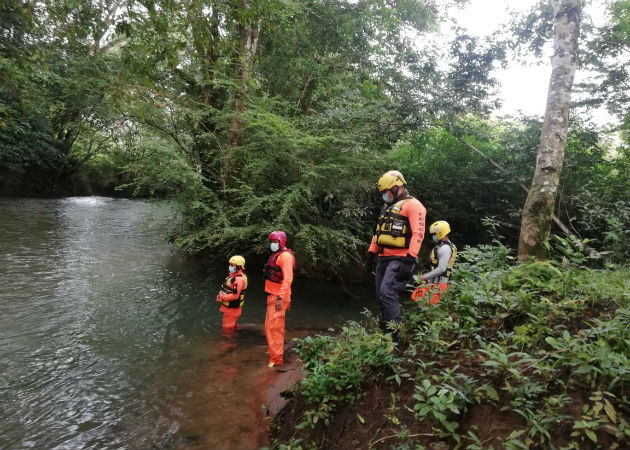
x=109 y=337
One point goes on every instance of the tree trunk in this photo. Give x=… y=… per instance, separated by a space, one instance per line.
x=205 y=34
x=249 y=43
x=65 y=139
x=539 y=206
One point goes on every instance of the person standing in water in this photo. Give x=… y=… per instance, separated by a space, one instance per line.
x=232 y=293
x=278 y=274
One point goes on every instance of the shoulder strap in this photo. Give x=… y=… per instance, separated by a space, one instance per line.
x=399 y=204
x=288 y=250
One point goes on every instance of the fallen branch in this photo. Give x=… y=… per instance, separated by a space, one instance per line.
x=406 y=436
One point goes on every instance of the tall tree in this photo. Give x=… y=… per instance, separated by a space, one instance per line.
x=57 y=70
x=539 y=206
x=249 y=32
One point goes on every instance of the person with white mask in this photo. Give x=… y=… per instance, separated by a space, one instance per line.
x=397 y=238
x=278 y=274
x=232 y=293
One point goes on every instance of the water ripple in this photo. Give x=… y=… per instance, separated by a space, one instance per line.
x=108 y=338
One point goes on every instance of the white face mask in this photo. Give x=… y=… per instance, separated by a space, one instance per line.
x=232 y=269
x=387 y=198
x=274 y=246
x=434 y=238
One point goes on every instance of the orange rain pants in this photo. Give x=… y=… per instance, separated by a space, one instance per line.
x=230 y=316
x=274 y=320
x=422 y=291
x=274 y=329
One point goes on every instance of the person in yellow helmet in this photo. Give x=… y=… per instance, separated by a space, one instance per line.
x=232 y=293
x=397 y=239
x=442 y=258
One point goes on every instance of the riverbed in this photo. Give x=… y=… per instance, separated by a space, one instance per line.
x=110 y=337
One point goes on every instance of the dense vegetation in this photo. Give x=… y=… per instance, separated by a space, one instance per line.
x=260 y=115
x=516 y=356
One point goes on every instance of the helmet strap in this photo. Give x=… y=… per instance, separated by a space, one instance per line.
x=401 y=192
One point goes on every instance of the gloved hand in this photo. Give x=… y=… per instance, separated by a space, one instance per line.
x=369 y=262
x=406 y=268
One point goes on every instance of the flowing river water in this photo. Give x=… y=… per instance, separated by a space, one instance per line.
x=110 y=337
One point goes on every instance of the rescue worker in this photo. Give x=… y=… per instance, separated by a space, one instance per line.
x=278 y=274
x=397 y=239
x=442 y=259
x=232 y=293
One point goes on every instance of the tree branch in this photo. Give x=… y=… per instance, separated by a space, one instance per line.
x=157 y=127
x=578 y=243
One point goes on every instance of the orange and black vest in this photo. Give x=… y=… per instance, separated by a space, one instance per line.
x=271 y=270
x=229 y=287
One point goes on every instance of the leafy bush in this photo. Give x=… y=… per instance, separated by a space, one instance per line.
x=339 y=366
x=530 y=339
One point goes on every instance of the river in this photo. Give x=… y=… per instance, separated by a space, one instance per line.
x=110 y=337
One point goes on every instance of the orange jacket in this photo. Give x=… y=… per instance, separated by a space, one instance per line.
x=285 y=261
x=416 y=213
x=239 y=283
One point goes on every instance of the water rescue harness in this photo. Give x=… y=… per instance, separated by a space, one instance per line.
x=451 y=261
x=229 y=287
x=271 y=270
x=393 y=230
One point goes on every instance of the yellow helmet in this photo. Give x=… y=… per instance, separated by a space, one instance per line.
x=238 y=260
x=440 y=228
x=390 y=179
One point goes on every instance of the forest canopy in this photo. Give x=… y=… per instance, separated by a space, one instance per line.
x=259 y=115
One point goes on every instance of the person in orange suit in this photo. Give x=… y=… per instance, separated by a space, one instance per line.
x=398 y=235
x=232 y=293
x=278 y=274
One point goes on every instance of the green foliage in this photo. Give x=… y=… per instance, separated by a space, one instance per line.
x=333 y=86
x=489 y=192
x=604 y=54
x=527 y=339
x=438 y=402
x=162 y=170
x=335 y=94
x=58 y=82
x=339 y=366
x=447 y=399
x=289 y=178
x=602 y=214
x=25 y=132
x=598 y=354
x=599 y=413
x=525 y=314
x=594 y=175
